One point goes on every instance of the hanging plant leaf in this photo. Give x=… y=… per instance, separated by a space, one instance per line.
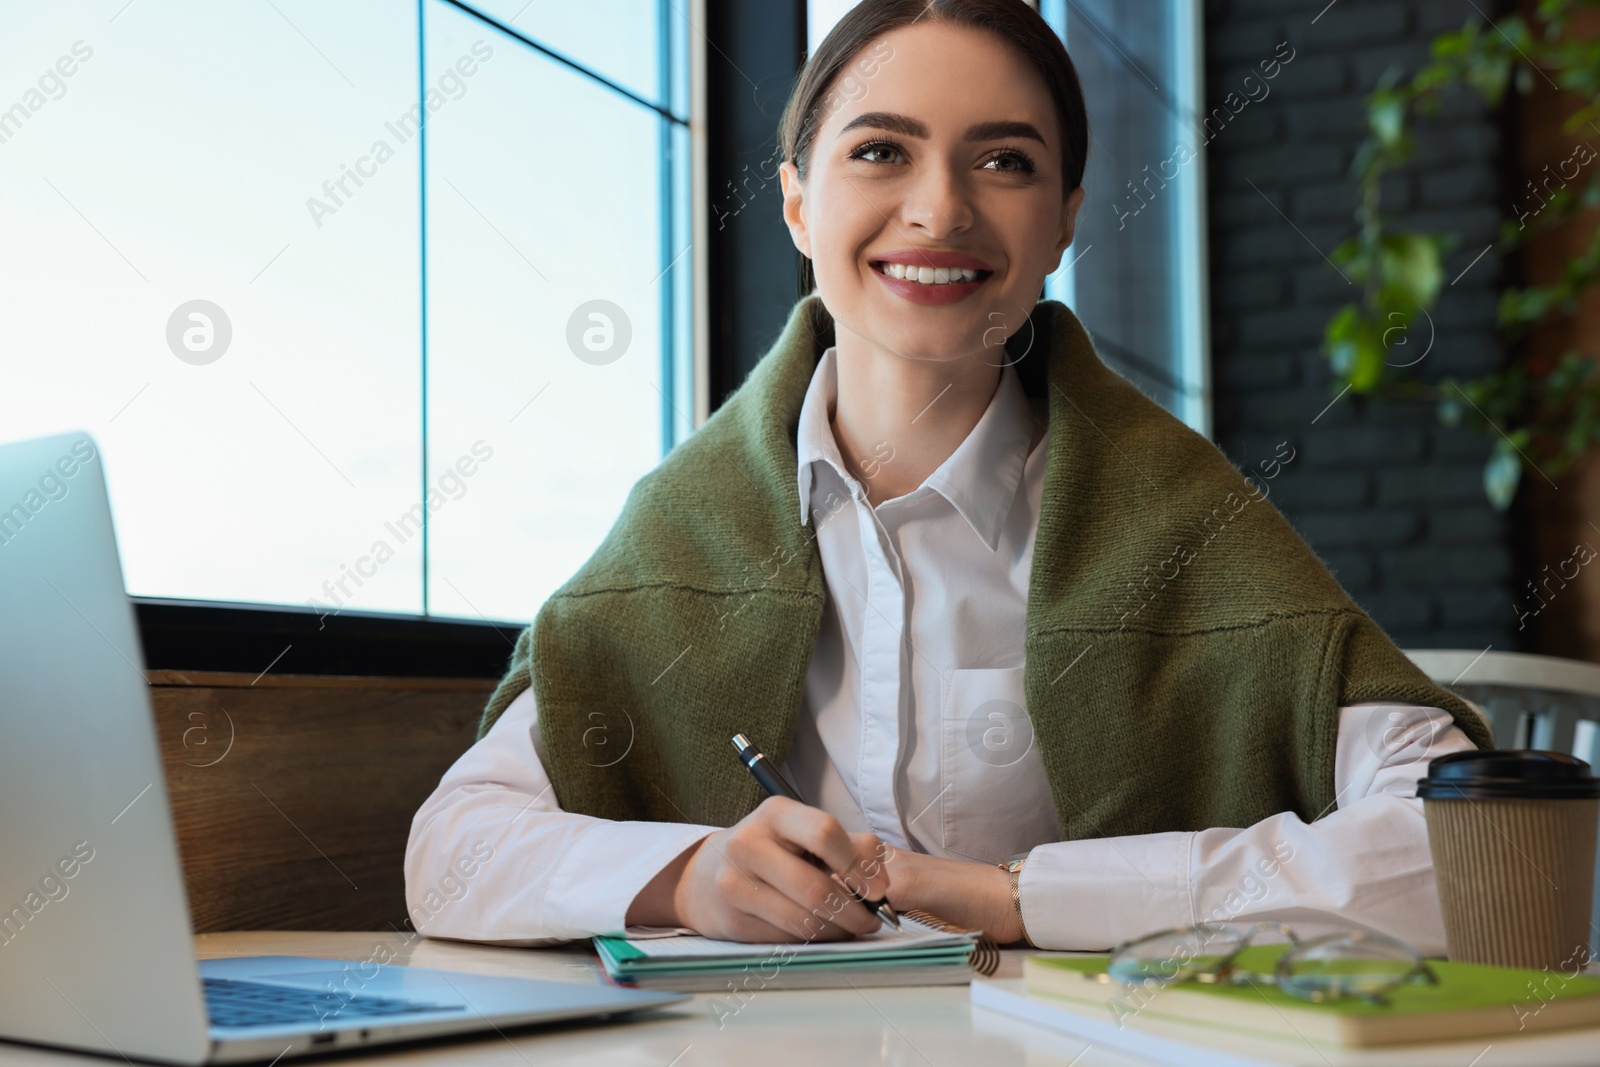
x=1355 y=348
x=1519 y=306
x=1540 y=411
x=1451 y=410
x=1489 y=73
x=1501 y=474
x=1413 y=270
x=1349 y=256
x=1386 y=112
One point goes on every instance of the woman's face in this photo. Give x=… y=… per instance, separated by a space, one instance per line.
x=941 y=151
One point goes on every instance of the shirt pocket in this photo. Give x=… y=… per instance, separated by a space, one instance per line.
x=996 y=799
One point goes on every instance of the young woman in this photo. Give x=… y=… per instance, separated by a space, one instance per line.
x=1036 y=655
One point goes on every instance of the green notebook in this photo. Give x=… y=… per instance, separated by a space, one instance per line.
x=917 y=955
x=1471 y=1000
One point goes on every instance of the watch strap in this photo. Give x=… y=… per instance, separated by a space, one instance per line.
x=1013 y=867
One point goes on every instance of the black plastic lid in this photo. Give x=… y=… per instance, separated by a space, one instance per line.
x=1508 y=773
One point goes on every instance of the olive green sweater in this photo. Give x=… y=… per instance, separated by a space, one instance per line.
x=1186 y=652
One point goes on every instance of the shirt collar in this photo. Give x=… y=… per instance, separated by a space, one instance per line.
x=979 y=478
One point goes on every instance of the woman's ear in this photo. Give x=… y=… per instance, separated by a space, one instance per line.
x=1069 y=220
x=793 y=207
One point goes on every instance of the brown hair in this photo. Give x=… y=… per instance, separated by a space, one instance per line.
x=1011 y=20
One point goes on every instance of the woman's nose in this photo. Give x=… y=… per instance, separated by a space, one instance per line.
x=937 y=202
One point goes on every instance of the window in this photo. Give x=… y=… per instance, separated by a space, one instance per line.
x=558 y=290
x=1136 y=272
x=380 y=305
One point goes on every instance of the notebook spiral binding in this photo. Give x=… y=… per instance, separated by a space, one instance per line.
x=985 y=958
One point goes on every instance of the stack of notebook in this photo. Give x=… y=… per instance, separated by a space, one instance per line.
x=920 y=954
x=1471 y=1002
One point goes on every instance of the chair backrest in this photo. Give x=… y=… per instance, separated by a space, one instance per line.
x=1542 y=702
x=1530 y=701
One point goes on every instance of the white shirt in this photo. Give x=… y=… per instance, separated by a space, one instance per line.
x=912 y=727
x=922 y=629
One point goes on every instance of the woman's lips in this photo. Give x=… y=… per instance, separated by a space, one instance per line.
x=918 y=293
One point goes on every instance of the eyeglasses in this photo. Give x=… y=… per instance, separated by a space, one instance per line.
x=1333 y=967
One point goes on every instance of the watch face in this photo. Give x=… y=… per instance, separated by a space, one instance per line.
x=1014 y=864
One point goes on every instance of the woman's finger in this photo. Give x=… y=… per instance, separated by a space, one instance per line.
x=762 y=912
x=808 y=829
x=869 y=877
x=816 y=893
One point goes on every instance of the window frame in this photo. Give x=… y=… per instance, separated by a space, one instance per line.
x=204 y=635
x=1187 y=258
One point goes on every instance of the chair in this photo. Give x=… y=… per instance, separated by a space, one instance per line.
x=1530 y=701
x=1542 y=702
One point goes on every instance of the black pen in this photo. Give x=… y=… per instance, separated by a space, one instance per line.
x=764 y=772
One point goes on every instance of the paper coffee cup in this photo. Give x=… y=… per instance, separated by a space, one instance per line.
x=1513 y=840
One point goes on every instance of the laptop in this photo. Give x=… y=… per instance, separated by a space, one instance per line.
x=96 y=949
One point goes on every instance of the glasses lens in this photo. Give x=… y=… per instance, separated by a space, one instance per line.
x=1173 y=955
x=1347 y=965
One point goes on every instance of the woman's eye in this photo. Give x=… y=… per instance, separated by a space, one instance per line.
x=883 y=152
x=1013 y=161
x=880 y=149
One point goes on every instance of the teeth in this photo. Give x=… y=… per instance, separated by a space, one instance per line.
x=929 y=275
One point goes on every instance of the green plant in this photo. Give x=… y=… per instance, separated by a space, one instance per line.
x=1540 y=411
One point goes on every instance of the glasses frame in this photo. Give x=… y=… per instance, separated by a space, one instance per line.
x=1223 y=971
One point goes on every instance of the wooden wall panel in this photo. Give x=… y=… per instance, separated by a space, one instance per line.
x=293 y=795
x=1559 y=612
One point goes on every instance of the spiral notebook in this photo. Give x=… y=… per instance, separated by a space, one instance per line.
x=926 y=952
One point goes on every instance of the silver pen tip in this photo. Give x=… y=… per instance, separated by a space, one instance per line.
x=740 y=743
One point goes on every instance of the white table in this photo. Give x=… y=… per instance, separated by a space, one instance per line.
x=775 y=1028
x=928 y=1026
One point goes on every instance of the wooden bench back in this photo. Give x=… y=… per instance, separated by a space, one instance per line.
x=293 y=794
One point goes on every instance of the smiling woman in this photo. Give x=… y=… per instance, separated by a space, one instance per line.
x=894 y=558
x=883 y=200
x=815 y=100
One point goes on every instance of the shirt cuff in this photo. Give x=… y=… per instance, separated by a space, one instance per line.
x=598 y=876
x=1092 y=894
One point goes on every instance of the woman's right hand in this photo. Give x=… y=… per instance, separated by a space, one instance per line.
x=751 y=881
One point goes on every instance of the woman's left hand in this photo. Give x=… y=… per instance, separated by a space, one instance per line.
x=964 y=892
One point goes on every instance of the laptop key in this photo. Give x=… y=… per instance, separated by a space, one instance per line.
x=233 y=1003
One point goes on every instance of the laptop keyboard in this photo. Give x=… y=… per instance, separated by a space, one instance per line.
x=232 y=1003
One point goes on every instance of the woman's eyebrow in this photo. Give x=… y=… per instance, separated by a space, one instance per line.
x=910 y=127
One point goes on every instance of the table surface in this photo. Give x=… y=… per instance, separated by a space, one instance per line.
x=931 y=1026
x=774 y=1028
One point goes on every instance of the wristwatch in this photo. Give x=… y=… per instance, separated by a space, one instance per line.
x=1013 y=866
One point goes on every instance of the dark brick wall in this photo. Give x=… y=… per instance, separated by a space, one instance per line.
x=1391 y=500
